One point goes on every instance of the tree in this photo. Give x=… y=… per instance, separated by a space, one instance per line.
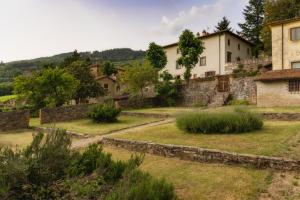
x=274 y=11
x=69 y=60
x=251 y=29
x=88 y=86
x=108 y=68
x=168 y=90
x=223 y=25
x=190 y=48
x=48 y=88
x=156 y=56
x=138 y=77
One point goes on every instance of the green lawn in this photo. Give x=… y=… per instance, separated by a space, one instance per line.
x=178 y=110
x=87 y=126
x=194 y=181
x=7 y=98
x=20 y=138
x=275 y=139
x=164 y=110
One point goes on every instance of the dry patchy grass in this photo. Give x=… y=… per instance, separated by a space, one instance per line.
x=193 y=181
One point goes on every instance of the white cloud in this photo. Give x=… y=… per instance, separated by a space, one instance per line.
x=201 y=17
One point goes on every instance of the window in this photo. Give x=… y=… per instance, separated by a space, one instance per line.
x=118 y=88
x=202 y=61
x=178 y=77
x=210 y=73
x=178 y=51
x=178 y=66
x=294 y=86
x=238 y=59
x=229 y=55
x=105 y=87
x=296 y=65
x=295 y=34
x=228 y=42
x=248 y=51
x=195 y=76
x=239 y=47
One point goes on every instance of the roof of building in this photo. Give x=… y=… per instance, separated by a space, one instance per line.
x=274 y=75
x=212 y=35
x=108 y=77
x=285 y=21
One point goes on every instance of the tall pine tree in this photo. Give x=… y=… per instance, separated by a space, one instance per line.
x=223 y=25
x=251 y=29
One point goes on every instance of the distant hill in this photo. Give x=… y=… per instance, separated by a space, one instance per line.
x=118 y=56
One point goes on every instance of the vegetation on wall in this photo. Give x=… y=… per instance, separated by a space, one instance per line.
x=190 y=48
x=6 y=89
x=168 y=89
x=108 y=68
x=49 y=169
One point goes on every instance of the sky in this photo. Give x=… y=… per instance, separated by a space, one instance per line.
x=37 y=28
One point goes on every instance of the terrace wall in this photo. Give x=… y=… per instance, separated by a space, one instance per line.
x=65 y=113
x=204 y=155
x=14 y=120
x=204 y=90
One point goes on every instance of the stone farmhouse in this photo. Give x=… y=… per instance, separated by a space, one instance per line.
x=281 y=86
x=221 y=49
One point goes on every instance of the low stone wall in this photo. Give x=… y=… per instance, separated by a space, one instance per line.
x=152 y=115
x=126 y=103
x=14 y=120
x=204 y=155
x=65 y=113
x=282 y=116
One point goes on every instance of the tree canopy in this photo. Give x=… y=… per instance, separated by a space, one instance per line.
x=108 y=68
x=190 y=48
x=253 y=25
x=137 y=77
x=157 y=56
x=48 y=88
x=223 y=25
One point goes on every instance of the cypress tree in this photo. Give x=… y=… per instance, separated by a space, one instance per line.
x=251 y=29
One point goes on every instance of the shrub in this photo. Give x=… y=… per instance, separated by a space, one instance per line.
x=104 y=113
x=237 y=121
x=49 y=169
x=238 y=102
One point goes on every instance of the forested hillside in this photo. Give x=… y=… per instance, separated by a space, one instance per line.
x=119 y=56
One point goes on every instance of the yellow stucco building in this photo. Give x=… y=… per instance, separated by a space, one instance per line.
x=281 y=86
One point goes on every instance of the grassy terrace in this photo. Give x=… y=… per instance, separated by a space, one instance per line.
x=20 y=138
x=179 y=110
x=275 y=139
x=7 y=98
x=194 y=181
x=86 y=126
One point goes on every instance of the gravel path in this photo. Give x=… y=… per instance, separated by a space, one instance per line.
x=85 y=142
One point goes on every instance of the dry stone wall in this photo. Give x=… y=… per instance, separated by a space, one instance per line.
x=243 y=88
x=14 y=120
x=65 y=113
x=204 y=155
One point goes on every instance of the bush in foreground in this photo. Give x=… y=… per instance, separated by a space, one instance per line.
x=237 y=121
x=49 y=169
x=104 y=113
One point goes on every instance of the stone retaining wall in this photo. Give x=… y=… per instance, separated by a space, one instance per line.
x=204 y=155
x=14 y=120
x=65 y=113
x=282 y=116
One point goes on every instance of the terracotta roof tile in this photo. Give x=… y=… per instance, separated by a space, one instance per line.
x=285 y=74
